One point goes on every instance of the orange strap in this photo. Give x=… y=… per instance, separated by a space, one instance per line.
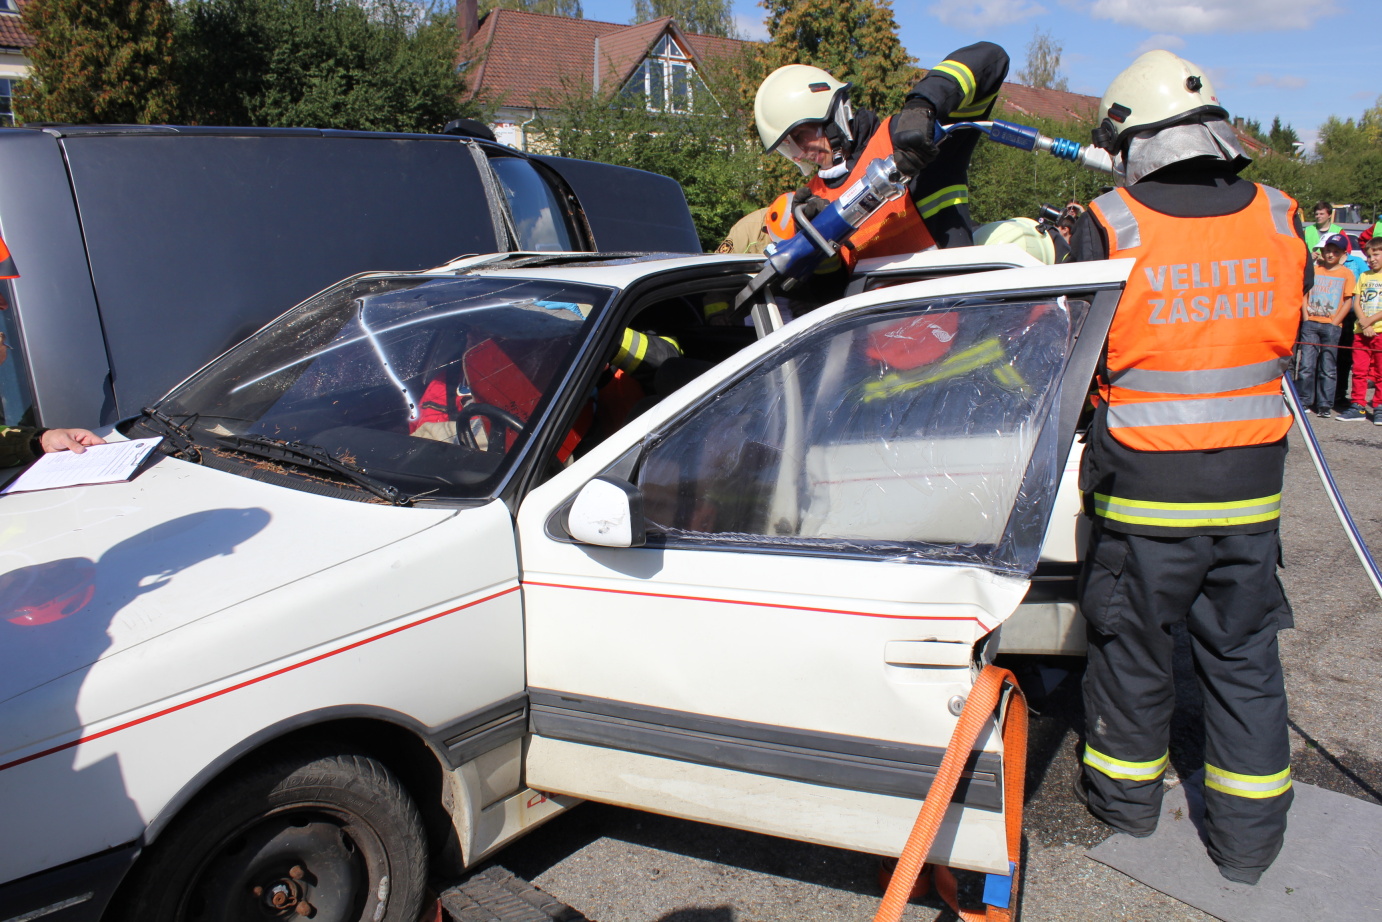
x=983 y=700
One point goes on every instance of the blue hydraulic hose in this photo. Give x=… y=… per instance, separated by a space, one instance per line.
x=1331 y=488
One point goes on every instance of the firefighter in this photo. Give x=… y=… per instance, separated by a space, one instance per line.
x=804 y=113
x=1184 y=464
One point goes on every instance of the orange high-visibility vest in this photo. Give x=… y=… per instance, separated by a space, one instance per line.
x=7 y=269
x=895 y=228
x=1205 y=328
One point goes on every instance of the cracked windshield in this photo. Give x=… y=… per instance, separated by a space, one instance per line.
x=427 y=385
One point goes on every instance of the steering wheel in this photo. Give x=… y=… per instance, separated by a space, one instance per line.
x=500 y=418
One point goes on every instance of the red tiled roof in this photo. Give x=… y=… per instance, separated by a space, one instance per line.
x=1017 y=99
x=620 y=52
x=12 y=34
x=528 y=59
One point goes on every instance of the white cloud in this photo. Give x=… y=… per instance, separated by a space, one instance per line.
x=1199 y=16
x=751 y=26
x=1163 y=42
x=1282 y=81
x=985 y=14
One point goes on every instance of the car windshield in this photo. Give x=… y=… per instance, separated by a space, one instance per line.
x=430 y=385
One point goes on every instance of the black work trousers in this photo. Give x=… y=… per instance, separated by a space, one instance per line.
x=1133 y=589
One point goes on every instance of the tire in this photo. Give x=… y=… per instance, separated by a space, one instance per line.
x=336 y=832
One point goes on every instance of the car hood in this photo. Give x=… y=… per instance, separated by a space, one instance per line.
x=88 y=572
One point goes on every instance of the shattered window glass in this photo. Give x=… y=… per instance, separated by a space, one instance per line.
x=428 y=384
x=920 y=435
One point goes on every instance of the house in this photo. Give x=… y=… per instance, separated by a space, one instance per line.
x=526 y=62
x=14 y=65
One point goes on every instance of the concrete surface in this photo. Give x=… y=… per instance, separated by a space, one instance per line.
x=620 y=866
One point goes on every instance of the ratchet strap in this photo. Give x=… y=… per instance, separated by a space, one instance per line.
x=985 y=698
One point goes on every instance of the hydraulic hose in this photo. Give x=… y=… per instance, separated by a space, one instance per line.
x=1331 y=488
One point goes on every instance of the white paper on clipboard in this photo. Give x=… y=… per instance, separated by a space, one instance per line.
x=112 y=462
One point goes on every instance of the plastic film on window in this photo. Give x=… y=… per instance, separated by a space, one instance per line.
x=924 y=435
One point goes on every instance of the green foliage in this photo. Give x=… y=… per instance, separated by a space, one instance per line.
x=319 y=63
x=99 y=61
x=1042 y=69
x=571 y=8
x=707 y=17
x=1283 y=139
x=708 y=152
x=855 y=40
x=1005 y=182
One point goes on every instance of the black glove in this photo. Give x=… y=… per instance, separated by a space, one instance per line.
x=912 y=130
x=811 y=204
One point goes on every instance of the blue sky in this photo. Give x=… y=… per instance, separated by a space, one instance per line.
x=1301 y=59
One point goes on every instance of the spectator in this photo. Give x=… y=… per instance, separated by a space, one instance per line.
x=1323 y=227
x=1322 y=315
x=21 y=444
x=1367 y=339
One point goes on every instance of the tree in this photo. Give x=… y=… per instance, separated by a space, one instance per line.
x=855 y=40
x=319 y=63
x=708 y=151
x=707 y=17
x=1283 y=140
x=99 y=61
x=1042 y=69
x=571 y=8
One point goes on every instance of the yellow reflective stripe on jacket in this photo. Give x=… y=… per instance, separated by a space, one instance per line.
x=961 y=75
x=1117 y=768
x=944 y=198
x=988 y=352
x=1188 y=515
x=632 y=350
x=976 y=110
x=1254 y=786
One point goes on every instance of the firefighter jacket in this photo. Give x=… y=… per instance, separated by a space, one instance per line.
x=961 y=88
x=891 y=230
x=1189 y=435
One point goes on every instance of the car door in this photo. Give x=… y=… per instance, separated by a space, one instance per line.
x=837 y=521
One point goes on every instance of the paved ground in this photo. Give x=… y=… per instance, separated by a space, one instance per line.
x=620 y=866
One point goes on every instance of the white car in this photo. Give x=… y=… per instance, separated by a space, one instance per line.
x=413 y=571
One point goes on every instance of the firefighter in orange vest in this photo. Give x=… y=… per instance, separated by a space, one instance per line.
x=1184 y=464
x=804 y=113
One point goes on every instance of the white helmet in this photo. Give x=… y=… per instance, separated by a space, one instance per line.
x=1159 y=89
x=795 y=95
x=1021 y=232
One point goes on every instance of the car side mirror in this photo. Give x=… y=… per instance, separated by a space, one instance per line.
x=607 y=512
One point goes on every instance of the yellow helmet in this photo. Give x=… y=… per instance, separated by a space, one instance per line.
x=1022 y=232
x=1157 y=90
x=795 y=95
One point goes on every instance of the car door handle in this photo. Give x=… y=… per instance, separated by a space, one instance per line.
x=927 y=653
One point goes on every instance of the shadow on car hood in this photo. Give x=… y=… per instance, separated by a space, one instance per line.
x=88 y=572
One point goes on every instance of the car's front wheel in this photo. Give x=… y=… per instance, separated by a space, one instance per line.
x=330 y=837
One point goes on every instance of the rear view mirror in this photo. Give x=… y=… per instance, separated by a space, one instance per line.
x=607 y=512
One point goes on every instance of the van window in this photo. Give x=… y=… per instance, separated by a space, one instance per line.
x=538 y=215
x=16 y=399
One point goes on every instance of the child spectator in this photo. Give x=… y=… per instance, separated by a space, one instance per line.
x=1323 y=313
x=1367 y=339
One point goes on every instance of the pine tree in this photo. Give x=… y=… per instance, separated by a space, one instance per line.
x=855 y=40
x=1283 y=140
x=99 y=61
x=706 y=17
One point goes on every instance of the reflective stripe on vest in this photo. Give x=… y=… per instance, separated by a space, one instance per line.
x=1188 y=515
x=1205 y=327
x=1128 y=771
x=1256 y=787
x=895 y=228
